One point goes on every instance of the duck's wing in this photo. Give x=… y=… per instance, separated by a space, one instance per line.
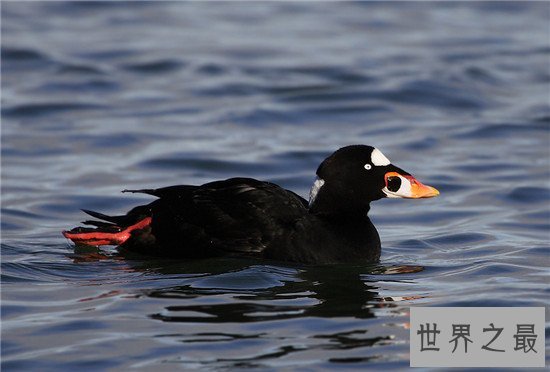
x=166 y=192
x=238 y=215
x=235 y=215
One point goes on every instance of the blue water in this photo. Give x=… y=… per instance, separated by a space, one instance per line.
x=98 y=97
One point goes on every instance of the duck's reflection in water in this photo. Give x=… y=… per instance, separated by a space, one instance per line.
x=218 y=298
x=248 y=291
x=243 y=290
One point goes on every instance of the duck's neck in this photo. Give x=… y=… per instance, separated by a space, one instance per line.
x=324 y=201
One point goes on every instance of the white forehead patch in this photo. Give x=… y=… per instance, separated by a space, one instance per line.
x=378 y=159
x=319 y=182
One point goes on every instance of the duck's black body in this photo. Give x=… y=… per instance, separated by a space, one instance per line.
x=247 y=217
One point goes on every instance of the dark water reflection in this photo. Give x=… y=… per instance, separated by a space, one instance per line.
x=261 y=290
x=102 y=96
x=327 y=295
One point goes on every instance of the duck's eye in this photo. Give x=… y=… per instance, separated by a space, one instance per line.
x=394 y=183
x=368 y=166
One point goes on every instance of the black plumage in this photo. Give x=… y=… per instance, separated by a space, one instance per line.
x=247 y=217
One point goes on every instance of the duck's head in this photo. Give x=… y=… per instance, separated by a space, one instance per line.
x=353 y=176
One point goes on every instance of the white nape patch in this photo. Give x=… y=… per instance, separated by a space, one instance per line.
x=319 y=182
x=378 y=159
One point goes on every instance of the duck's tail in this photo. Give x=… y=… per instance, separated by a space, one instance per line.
x=105 y=233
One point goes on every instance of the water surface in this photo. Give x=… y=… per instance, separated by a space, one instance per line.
x=98 y=97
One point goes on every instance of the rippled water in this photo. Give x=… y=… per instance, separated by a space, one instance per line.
x=98 y=97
